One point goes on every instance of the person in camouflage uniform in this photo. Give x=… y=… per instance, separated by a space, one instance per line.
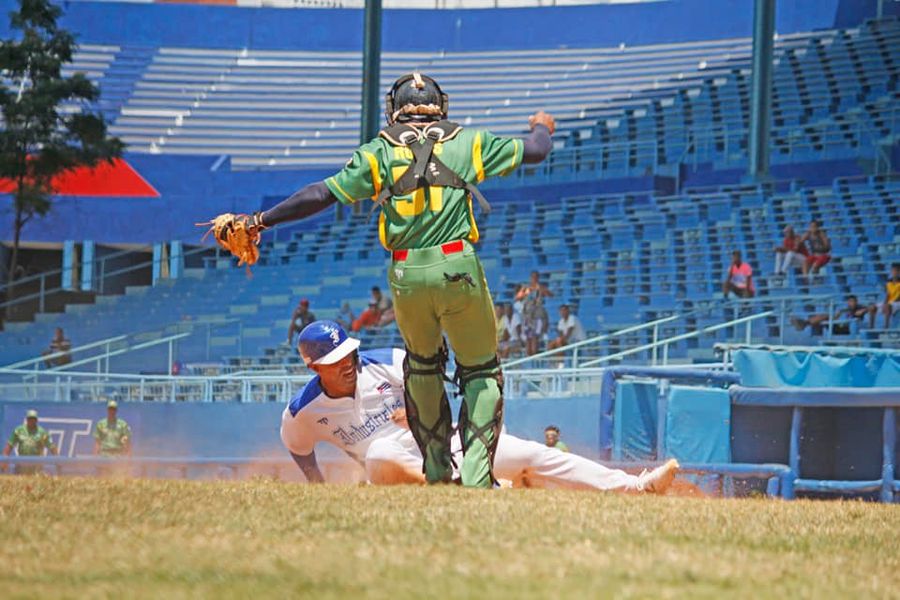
x=29 y=439
x=112 y=435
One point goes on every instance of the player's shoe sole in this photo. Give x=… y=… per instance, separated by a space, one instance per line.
x=659 y=479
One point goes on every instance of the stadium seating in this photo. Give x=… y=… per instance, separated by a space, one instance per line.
x=620 y=258
x=646 y=105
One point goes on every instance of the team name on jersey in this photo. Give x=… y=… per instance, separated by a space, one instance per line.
x=374 y=421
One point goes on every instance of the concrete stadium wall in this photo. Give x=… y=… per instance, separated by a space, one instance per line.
x=432 y=30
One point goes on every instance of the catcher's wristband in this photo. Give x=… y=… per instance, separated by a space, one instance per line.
x=258 y=221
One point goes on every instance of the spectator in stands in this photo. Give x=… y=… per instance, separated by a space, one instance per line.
x=568 y=330
x=29 y=439
x=533 y=290
x=112 y=435
x=534 y=323
x=59 y=344
x=530 y=296
x=300 y=318
x=739 y=278
x=344 y=317
x=842 y=319
x=509 y=330
x=891 y=302
x=379 y=313
x=818 y=248
x=791 y=254
x=551 y=438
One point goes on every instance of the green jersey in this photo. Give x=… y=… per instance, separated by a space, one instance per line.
x=560 y=445
x=434 y=215
x=113 y=439
x=30 y=443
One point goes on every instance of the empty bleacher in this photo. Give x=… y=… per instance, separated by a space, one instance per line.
x=646 y=105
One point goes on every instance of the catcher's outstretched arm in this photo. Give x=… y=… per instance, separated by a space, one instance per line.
x=537 y=145
x=314 y=198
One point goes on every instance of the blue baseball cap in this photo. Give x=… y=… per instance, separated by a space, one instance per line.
x=325 y=343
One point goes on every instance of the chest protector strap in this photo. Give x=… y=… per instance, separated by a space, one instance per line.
x=426 y=170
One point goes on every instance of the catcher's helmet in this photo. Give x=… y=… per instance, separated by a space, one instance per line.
x=415 y=97
x=325 y=343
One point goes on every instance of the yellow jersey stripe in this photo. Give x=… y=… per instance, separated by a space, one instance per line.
x=376 y=176
x=476 y=158
x=338 y=187
x=382 y=231
x=474 y=234
x=513 y=164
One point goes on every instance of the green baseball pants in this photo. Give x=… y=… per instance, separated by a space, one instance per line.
x=443 y=289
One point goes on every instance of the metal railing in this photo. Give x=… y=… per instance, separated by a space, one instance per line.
x=746 y=321
x=576 y=346
x=100 y=282
x=95 y=387
x=36 y=361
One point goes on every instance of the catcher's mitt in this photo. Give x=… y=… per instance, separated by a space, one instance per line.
x=239 y=234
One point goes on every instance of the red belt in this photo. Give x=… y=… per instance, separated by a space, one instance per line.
x=448 y=248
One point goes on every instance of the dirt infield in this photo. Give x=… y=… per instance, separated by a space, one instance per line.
x=80 y=538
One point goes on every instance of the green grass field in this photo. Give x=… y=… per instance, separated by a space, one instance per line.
x=82 y=538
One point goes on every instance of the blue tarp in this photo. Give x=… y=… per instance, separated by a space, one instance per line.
x=698 y=425
x=765 y=368
x=635 y=422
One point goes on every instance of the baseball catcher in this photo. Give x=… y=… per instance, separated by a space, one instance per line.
x=356 y=401
x=422 y=171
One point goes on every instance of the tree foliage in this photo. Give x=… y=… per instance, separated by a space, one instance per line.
x=48 y=124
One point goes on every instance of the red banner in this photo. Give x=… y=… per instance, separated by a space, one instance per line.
x=118 y=179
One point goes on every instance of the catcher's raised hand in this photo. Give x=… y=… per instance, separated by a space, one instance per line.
x=239 y=234
x=542 y=118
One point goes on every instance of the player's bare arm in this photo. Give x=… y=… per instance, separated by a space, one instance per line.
x=309 y=466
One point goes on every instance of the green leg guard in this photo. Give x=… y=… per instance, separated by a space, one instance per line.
x=480 y=419
x=430 y=422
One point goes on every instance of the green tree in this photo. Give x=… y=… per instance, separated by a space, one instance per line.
x=48 y=125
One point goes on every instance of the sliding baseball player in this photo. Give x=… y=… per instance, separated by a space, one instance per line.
x=355 y=402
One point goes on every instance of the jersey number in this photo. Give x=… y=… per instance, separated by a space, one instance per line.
x=414 y=204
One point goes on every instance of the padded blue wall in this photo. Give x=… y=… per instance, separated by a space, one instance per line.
x=431 y=30
x=252 y=430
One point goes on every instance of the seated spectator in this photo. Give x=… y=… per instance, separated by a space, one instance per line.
x=300 y=318
x=818 y=248
x=891 y=302
x=791 y=254
x=551 y=438
x=344 y=317
x=568 y=329
x=59 y=344
x=379 y=313
x=509 y=330
x=739 y=278
x=842 y=319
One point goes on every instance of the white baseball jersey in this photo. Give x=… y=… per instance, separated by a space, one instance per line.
x=362 y=427
x=350 y=423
